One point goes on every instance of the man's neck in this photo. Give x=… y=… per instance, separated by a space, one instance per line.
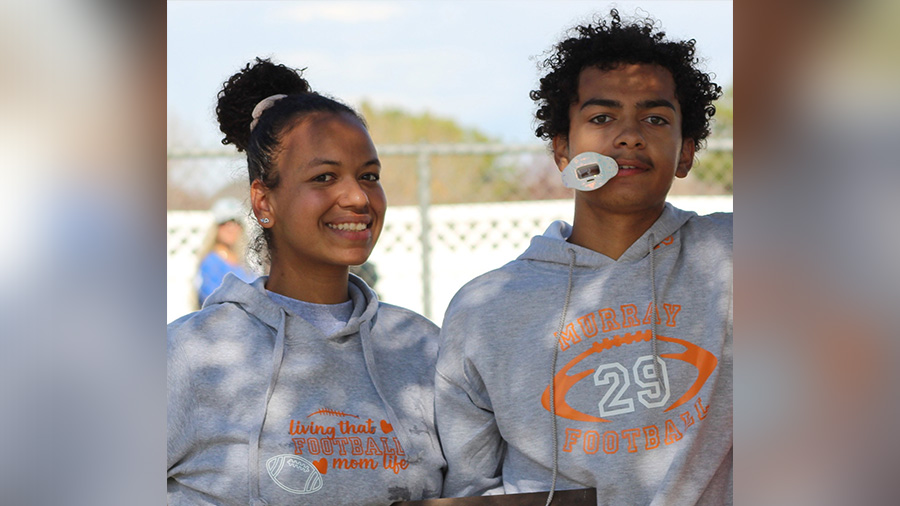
x=609 y=233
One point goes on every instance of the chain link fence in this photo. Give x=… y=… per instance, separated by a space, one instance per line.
x=423 y=174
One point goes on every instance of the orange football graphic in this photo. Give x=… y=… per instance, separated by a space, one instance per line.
x=703 y=360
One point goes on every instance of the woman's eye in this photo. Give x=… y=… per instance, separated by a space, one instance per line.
x=657 y=120
x=602 y=118
x=371 y=176
x=324 y=178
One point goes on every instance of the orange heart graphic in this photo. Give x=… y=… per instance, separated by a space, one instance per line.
x=386 y=427
x=321 y=465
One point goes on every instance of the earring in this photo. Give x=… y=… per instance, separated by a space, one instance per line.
x=264 y=220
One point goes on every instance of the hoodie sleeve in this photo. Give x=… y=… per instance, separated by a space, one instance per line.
x=465 y=422
x=179 y=399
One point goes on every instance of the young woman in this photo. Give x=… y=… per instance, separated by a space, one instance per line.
x=223 y=251
x=301 y=387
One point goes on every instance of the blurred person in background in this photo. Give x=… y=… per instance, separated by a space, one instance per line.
x=302 y=387
x=602 y=356
x=224 y=249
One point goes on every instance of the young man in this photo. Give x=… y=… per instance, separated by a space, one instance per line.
x=602 y=356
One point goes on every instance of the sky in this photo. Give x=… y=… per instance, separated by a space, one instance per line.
x=471 y=61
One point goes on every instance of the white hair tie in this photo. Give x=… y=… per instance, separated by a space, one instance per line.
x=262 y=106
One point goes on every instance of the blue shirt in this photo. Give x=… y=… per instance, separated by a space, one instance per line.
x=212 y=270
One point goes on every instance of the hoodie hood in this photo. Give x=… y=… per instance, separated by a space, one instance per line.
x=552 y=246
x=254 y=300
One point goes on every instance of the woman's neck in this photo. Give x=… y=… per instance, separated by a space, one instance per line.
x=319 y=286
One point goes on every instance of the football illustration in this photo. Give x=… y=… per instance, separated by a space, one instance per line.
x=704 y=361
x=294 y=474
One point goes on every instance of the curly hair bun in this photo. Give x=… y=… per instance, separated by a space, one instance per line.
x=242 y=91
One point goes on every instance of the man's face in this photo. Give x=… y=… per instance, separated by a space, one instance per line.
x=629 y=113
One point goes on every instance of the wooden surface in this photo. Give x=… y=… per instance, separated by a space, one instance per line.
x=577 y=497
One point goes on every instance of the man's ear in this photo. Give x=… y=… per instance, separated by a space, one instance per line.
x=686 y=158
x=561 y=151
x=262 y=203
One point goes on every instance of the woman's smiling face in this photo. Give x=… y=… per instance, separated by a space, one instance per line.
x=328 y=207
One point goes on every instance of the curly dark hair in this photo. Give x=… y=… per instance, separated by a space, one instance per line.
x=239 y=96
x=607 y=45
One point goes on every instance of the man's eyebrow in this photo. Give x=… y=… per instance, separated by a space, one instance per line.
x=651 y=104
x=315 y=162
x=602 y=102
x=644 y=104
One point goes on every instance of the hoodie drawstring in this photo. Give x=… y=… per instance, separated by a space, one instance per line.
x=394 y=421
x=562 y=322
x=653 y=317
x=255 y=499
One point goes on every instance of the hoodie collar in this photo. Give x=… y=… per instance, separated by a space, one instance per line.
x=552 y=246
x=253 y=298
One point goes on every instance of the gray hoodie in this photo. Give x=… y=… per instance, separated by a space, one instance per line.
x=265 y=409
x=569 y=312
